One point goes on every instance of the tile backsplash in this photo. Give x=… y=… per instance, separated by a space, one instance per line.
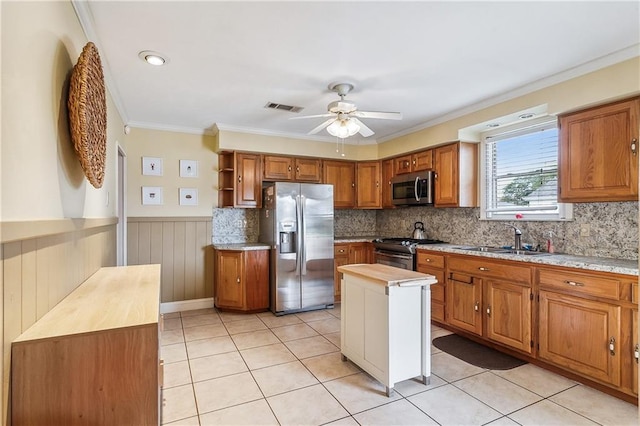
x=231 y=226
x=612 y=228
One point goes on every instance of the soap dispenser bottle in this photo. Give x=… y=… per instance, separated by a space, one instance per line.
x=550 y=248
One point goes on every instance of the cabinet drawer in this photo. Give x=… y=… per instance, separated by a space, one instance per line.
x=430 y=260
x=584 y=283
x=482 y=267
x=341 y=250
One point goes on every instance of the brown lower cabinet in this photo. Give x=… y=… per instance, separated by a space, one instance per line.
x=433 y=264
x=566 y=319
x=581 y=335
x=491 y=298
x=349 y=254
x=242 y=280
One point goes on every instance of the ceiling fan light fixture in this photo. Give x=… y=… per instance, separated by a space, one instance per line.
x=343 y=128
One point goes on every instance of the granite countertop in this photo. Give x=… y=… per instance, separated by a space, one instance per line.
x=604 y=264
x=242 y=246
x=354 y=239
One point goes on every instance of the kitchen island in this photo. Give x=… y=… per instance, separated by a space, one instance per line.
x=386 y=322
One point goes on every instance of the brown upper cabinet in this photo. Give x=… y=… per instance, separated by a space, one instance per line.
x=342 y=175
x=456 y=178
x=281 y=168
x=368 y=188
x=240 y=179
x=415 y=162
x=387 y=174
x=598 y=153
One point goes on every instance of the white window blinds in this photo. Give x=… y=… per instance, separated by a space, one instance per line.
x=521 y=173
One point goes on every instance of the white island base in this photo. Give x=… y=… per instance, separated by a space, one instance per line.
x=386 y=322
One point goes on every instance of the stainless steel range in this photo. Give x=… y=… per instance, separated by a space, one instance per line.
x=399 y=252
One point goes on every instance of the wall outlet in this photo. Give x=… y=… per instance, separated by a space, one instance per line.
x=585 y=230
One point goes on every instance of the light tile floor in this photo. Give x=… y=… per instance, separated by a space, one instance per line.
x=223 y=368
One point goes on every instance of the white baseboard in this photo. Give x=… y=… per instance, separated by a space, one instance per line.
x=186 y=305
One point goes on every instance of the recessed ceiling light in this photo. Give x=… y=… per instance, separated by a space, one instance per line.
x=493 y=125
x=525 y=116
x=153 y=58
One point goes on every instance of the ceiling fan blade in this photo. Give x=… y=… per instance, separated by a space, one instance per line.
x=322 y=126
x=364 y=130
x=378 y=114
x=313 y=116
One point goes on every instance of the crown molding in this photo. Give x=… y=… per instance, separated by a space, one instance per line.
x=85 y=18
x=622 y=55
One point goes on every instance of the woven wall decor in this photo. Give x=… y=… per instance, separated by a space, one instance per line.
x=88 y=114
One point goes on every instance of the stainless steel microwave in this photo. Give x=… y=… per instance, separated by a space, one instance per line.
x=412 y=189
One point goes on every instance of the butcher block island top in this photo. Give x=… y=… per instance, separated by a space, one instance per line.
x=388 y=275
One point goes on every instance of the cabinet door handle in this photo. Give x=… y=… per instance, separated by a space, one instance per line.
x=612 y=346
x=238 y=280
x=239 y=179
x=377 y=184
x=289 y=168
x=298 y=170
x=634 y=146
x=476 y=307
x=636 y=353
x=427 y=260
x=489 y=310
x=482 y=268
x=573 y=283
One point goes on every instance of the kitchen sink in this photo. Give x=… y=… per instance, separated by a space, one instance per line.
x=525 y=252
x=484 y=248
x=488 y=249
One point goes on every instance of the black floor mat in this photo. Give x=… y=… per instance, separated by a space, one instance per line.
x=475 y=353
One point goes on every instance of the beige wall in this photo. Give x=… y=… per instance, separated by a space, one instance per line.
x=41 y=176
x=613 y=82
x=49 y=246
x=171 y=147
x=237 y=141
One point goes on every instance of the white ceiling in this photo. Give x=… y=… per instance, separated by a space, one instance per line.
x=427 y=60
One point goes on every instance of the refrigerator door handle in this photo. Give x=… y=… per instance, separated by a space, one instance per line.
x=298 y=237
x=302 y=225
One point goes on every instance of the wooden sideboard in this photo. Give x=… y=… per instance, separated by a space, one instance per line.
x=94 y=358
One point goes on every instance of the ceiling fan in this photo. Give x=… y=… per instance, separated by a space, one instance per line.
x=344 y=116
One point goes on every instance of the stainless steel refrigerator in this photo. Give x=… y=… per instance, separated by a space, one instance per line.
x=297 y=222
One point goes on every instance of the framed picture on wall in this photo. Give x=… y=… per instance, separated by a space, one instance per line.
x=152 y=166
x=152 y=196
x=188 y=196
x=189 y=168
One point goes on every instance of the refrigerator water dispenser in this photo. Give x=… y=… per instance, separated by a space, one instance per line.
x=287 y=242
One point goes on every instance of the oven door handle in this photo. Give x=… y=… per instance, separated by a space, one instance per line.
x=396 y=256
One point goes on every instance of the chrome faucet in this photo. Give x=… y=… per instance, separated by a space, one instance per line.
x=518 y=238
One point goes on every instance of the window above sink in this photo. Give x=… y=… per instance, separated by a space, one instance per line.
x=519 y=172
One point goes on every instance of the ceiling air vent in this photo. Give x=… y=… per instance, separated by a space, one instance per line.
x=290 y=108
